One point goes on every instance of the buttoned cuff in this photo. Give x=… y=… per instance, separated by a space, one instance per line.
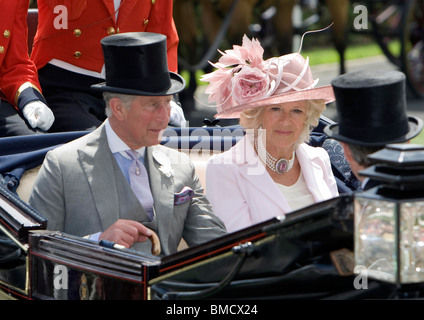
x=27 y=93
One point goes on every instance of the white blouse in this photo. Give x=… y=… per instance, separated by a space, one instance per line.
x=297 y=195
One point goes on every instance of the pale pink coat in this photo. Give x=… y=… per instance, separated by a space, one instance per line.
x=242 y=192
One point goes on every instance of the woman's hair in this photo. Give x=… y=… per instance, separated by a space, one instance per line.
x=126 y=100
x=252 y=119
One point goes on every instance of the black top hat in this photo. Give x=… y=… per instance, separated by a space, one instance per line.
x=136 y=63
x=371 y=109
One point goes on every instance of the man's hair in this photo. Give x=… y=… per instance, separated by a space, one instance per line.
x=126 y=100
x=252 y=118
x=360 y=153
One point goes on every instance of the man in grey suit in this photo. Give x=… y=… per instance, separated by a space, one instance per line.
x=83 y=187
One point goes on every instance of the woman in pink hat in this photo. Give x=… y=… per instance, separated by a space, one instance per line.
x=272 y=170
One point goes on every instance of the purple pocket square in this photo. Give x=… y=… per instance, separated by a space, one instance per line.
x=185 y=195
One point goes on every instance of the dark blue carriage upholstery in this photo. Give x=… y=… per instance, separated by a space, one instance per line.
x=21 y=153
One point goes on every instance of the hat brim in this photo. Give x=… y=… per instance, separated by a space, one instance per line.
x=415 y=127
x=177 y=85
x=321 y=93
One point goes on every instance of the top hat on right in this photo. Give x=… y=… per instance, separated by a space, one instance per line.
x=371 y=109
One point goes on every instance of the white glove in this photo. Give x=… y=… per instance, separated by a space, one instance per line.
x=177 y=117
x=38 y=115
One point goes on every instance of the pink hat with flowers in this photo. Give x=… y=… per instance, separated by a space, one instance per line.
x=243 y=80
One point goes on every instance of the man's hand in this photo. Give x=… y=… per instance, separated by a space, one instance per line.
x=38 y=115
x=126 y=233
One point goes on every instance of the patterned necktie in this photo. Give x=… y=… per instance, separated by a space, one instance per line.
x=139 y=181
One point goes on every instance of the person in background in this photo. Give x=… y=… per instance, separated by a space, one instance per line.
x=23 y=109
x=117 y=183
x=371 y=113
x=68 y=54
x=272 y=170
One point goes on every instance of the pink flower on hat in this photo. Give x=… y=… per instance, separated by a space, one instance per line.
x=249 y=84
x=239 y=76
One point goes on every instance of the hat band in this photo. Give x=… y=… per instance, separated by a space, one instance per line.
x=150 y=84
x=375 y=134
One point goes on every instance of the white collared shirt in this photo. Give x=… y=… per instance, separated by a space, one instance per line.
x=119 y=148
x=117 y=145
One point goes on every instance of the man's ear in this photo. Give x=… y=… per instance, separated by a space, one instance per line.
x=117 y=108
x=347 y=152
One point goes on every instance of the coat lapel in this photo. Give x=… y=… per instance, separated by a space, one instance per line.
x=162 y=187
x=126 y=8
x=252 y=169
x=94 y=159
x=110 y=8
x=254 y=172
x=313 y=174
x=104 y=184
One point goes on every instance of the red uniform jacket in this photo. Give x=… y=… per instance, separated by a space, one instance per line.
x=91 y=20
x=17 y=71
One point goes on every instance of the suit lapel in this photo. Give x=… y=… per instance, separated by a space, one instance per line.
x=94 y=159
x=106 y=184
x=162 y=187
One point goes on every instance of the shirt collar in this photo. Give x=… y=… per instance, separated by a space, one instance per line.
x=116 y=144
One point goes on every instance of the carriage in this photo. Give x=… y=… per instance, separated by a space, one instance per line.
x=306 y=255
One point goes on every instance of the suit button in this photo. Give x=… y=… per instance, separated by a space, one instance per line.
x=153 y=2
x=111 y=30
x=77 y=54
x=6 y=33
x=1 y=49
x=145 y=22
x=77 y=32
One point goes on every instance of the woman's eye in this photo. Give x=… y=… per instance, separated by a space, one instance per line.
x=275 y=109
x=297 y=111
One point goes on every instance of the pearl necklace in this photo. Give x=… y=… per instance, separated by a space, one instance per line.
x=277 y=165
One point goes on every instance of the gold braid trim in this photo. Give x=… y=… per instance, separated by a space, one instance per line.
x=22 y=88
